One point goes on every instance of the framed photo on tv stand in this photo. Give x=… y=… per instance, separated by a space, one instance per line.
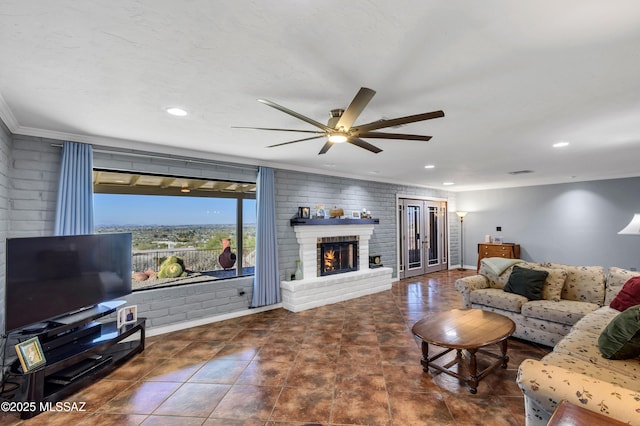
x=127 y=315
x=30 y=354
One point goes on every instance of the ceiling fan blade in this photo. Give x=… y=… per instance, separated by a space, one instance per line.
x=297 y=140
x=296 y=115
x=382 y=135
x=398 y=121
x=363 y=144
x=279 y=130
x=325 y=147
x=355 y=108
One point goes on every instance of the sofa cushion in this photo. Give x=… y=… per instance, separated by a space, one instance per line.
x=628 y=296
x=498 y=298
x=552 y=288
x=597 y=320
x=584 y=345
x=526 y=282
x=616 y=277
x=621 y=337
x=583 y=283
x=565 y=311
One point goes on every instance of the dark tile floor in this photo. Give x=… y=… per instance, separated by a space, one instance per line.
x=351 y=363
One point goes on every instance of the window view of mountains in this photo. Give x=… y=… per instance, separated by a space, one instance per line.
x=160 y=237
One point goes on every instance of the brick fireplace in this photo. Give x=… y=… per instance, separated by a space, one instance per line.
x=317 y=288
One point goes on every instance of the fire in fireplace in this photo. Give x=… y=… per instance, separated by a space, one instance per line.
x=337 y=255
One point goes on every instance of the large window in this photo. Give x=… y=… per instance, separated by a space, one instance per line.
x=206 y=227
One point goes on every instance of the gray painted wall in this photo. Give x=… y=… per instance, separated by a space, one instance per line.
x=573 y=223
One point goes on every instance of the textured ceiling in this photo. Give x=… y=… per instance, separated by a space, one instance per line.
x=512 y=78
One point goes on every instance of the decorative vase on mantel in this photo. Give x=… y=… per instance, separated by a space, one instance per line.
x=298 y=274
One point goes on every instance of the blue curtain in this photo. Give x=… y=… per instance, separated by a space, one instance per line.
x=266 y=282
x=74 y=211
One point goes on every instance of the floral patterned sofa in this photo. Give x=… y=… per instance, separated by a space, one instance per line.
x=577 y=371
x=568 y=294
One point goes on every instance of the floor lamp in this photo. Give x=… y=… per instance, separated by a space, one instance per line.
x=633 y=228
x=461 y=215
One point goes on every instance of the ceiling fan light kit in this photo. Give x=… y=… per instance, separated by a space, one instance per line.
x=340 y=127
x=338 y=137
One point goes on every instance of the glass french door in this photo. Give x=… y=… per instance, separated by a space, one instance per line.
x=422 y=236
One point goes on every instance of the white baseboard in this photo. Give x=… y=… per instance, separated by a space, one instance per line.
x=155 y=331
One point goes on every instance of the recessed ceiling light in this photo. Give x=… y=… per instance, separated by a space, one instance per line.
x=429 y=166
x=179 y=112
x=448 y=183
x=560 y=144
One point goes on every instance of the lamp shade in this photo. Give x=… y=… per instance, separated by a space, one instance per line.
x=633 y=228
x=461 y=214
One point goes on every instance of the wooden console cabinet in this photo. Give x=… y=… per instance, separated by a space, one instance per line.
x=508 y=251
x=78 y=362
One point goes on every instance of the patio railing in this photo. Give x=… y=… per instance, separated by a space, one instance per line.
x=195 y=260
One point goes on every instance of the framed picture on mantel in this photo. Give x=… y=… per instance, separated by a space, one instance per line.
x=304 y=212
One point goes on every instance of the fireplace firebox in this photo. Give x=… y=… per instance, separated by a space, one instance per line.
x=337 y=255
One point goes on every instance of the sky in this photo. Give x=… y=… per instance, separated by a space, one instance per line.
x=117 y=209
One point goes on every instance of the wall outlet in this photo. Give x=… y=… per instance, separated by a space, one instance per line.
x=498 y=228
x=241 y=292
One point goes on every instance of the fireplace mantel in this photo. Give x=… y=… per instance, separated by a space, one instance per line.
x=297 y=221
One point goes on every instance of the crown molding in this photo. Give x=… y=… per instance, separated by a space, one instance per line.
x=7 y=116
x=124 y=144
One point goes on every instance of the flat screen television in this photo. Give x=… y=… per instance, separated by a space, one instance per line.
x=49 y=277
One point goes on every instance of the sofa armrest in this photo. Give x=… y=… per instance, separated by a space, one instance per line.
x=467 y=284
x=546 y=385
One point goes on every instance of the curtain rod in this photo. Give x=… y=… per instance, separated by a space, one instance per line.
x=105 y=150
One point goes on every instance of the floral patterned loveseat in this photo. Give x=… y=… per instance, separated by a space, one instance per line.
x=577 y=371
x=568 y=294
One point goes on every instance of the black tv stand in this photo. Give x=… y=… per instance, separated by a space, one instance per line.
x=48 y=344
x=79 y=370
x=75 y=320
x=35 y=329
x=77 y=357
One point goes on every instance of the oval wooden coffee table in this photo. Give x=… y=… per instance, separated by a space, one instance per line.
x=464 y=329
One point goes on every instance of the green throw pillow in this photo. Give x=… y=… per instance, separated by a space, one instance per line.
x=620 y=339
x=526 y=282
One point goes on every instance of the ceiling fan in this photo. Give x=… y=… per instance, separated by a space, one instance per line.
x=340 y=127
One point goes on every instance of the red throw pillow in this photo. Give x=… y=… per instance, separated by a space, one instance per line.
x=629 y=295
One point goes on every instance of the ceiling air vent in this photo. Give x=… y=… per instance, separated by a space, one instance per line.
x=521 y=172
